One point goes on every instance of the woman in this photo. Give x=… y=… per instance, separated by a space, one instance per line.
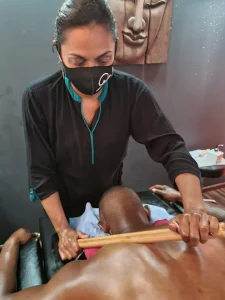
x=78 y=123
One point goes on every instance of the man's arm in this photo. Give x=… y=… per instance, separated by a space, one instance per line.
x=170 y=194
x=57 y=288
x=8 y=266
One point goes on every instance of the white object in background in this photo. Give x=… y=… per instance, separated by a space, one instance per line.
x=211 y=158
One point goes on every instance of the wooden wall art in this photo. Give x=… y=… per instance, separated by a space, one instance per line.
x=143 y=30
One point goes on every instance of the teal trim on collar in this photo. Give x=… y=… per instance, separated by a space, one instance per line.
x=91 y=132
x=77 y=98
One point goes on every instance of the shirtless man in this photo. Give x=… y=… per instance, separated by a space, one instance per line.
x=125 y=271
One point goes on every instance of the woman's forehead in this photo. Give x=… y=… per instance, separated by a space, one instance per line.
x=88 y=37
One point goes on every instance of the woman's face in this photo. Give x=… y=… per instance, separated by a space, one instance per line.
x=88 y=46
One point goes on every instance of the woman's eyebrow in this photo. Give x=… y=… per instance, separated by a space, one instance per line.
x=77 y=56
x=84 y=58
x=107 y=52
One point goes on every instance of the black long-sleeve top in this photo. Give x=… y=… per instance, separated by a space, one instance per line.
x=81 y=163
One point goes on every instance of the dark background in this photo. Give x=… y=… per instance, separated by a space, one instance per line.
x=190 y=88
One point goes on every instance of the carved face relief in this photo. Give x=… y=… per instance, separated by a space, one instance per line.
x=138 y=24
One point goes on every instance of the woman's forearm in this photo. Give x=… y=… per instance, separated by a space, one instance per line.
x=191 y=194
x=53 y=207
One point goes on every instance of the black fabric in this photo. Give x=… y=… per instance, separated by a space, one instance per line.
x=89 y=80
x=30 y=270
x=52 y=260
x=178 y=207
x=213 y=171
x=59 y=145
x=49 y=238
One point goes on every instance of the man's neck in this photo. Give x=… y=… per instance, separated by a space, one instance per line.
x=134 y=228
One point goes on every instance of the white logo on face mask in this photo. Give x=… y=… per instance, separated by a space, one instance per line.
x=103 y=79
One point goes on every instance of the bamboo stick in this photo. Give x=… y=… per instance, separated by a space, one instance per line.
x=143 y=237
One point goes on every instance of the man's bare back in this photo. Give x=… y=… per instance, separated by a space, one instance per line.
x=170 y=271
x=125 y=271
x=131 y=271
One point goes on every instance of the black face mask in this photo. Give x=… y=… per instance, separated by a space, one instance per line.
x=89 y=81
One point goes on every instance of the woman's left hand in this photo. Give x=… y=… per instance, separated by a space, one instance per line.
x=194 y=227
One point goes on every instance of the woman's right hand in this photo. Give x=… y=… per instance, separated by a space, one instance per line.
x=68 y=245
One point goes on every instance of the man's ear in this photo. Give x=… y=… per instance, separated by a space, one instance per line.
x=147 y=211
x=104 y=226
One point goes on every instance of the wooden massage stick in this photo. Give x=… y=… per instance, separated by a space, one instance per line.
x=142 y=237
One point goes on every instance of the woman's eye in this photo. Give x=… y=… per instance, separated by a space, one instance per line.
x=77 y=63
x=104 y=60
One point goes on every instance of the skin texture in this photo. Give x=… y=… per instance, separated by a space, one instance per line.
x=169 y=271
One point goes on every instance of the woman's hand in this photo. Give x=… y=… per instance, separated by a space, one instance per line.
x=68 y=245
x=166 y=192
x=194 y=227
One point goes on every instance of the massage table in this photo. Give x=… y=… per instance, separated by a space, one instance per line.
x=38 y=263
x=30 y=271
x=207 y=264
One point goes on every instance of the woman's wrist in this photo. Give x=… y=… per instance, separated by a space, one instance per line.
x=61 y=224
x=62 y=227
x=194 y=205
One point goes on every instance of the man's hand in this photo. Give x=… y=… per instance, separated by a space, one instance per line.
x=68 y=245
x=166 y=192
x=22 y=236
x=194 y=227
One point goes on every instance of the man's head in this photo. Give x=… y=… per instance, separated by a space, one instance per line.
x=121 y=211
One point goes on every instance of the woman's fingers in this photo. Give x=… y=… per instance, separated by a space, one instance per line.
x=65 y=255
x=71 y=247
x=173 y=225
x=204 y=228
x=185 y=228
x=213 y=225
x=194 y=229
x=68 y=245
x=82 y=235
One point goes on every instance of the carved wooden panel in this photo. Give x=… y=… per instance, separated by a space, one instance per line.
x=143 y=30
